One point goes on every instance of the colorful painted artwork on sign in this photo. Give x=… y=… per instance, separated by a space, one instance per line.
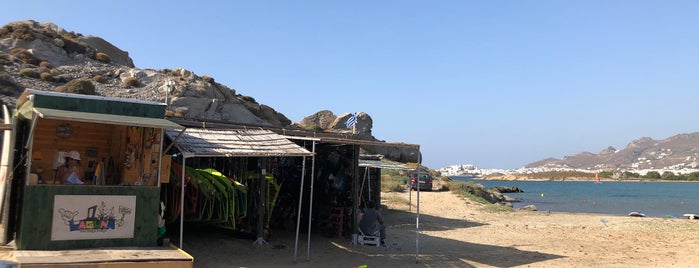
x=78 y=217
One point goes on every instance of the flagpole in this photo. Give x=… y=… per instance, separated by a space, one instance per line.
x=352 y=121
x=354 y=126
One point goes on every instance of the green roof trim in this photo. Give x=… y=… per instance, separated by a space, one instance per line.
x=106 y=118
x=96 y=104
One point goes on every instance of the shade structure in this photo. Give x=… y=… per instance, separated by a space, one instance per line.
x=195 y=142
x=111 y=119
x=382 y=165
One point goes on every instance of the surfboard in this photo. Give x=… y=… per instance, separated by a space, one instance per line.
x=5 y=172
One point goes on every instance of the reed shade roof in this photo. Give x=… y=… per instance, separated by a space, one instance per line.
x=197 y=142
x=382 y=165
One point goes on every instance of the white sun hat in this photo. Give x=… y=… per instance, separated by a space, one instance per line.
x=74 y=154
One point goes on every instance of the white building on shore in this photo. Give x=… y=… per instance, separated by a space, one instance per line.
x=473 y=170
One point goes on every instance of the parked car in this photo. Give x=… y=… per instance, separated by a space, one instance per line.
x=422 y=180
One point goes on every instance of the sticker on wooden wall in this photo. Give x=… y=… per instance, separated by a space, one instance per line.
x=91 y=152
x=81 y=217
x=64 y=131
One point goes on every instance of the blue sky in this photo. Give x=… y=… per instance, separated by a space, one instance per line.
x=498 y=84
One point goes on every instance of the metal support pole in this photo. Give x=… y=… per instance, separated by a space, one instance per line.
x=298 y=214
x=182 y=201
x=310 y=203
x=368 y=177
x=262 y=209
x=417 y=218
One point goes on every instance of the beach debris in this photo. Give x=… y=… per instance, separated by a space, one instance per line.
x=604 y=221
x=511 y=199
x=528 y=208
x=636 y=214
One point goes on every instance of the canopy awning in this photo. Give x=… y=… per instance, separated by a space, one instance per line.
x=382 y=165
x=196 y=142
x=106 y=118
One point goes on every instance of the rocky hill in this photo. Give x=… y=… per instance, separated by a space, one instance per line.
x=44 y=56
x=676 y=152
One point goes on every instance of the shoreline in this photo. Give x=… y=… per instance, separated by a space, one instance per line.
x=607 y=197
x=575 y=239
x=457 y=232
x=570 y=179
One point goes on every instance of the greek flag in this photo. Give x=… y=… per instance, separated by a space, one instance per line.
x=351 y=121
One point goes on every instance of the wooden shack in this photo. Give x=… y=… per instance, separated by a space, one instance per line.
x=115 y=202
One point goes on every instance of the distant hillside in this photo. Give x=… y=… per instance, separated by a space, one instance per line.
x=43 y=56
x=676 y=152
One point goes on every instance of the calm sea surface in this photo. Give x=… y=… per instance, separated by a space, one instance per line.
x=654 y=199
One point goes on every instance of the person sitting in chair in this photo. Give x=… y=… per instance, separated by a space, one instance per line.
x=70 y=172
x=372 y=221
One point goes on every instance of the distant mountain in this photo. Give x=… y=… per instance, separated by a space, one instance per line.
x=676 y=152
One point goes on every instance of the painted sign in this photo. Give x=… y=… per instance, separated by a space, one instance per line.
x=80 y=217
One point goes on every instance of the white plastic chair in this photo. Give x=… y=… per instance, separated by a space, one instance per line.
x=371 y=240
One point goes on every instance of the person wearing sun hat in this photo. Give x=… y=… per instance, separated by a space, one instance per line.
x=71 y=171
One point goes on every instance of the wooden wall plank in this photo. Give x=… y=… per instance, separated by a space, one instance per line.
x=108 y=141
x=86 y=137
x=37 y=212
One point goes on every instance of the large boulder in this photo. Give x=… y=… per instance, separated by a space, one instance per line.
x=326 y=120
x=116 y=55
x=508 y=189
x=395 y=153
x=213 y=110
x=318 y=121
x=361 y=127
x=46 y=41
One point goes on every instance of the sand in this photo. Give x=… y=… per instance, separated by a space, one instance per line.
x=455 y=232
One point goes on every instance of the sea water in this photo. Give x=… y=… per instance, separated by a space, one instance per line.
x=654 y=199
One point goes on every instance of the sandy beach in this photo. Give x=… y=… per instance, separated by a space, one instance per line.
x=455 y=232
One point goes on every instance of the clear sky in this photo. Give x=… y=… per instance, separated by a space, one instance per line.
x=498 y=84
